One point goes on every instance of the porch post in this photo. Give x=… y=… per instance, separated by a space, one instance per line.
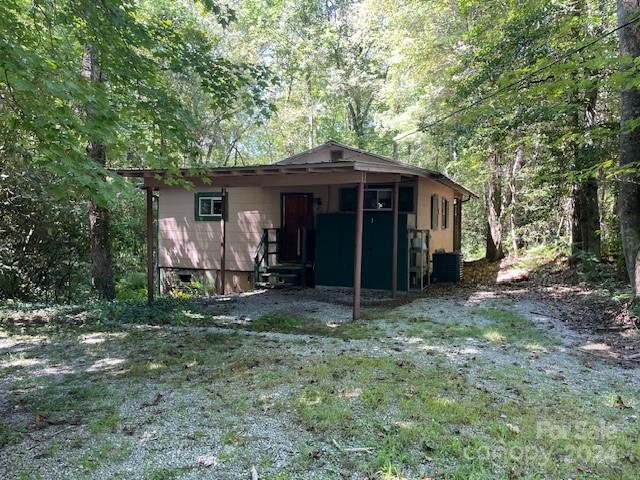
x=149 y=245
x=394 y=241
x=223 y=242
x=357 y=261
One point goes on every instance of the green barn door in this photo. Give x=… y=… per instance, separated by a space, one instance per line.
x=335 y=247
x=376 y=251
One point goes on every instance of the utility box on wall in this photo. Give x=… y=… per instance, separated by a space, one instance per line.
x=335 y=247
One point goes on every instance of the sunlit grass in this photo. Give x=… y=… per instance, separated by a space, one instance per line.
x=284 y=323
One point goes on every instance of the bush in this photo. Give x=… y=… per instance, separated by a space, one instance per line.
x=163 y=311
x=133 y=285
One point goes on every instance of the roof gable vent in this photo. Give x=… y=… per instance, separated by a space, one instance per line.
x=336 y=155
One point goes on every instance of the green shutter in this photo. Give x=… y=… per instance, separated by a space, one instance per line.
x=348 y=199
x=405 y=200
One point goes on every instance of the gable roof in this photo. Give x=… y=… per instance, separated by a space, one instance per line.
x=366 y=162
x=314 y=160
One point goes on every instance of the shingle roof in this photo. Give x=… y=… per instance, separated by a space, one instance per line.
x=303 y=162
x=367 y=161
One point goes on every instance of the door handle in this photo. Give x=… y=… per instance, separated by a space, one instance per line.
x=299 y=252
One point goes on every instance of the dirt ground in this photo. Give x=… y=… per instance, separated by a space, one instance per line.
x=585 y=306
x=459 y=383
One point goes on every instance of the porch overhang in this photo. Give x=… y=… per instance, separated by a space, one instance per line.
x=266 y=176
x=343 y=172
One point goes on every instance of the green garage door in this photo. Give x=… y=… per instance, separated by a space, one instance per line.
x=335 y=237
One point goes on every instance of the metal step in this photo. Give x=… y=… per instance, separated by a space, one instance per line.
x=283 y=268
x=279 y=275
x=274 y=285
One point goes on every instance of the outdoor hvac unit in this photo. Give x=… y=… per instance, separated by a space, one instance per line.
x=447 y=267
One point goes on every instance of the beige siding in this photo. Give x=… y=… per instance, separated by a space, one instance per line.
x=187 y=243
x=440 y=238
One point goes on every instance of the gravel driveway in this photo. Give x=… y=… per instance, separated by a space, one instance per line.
x=214 y=402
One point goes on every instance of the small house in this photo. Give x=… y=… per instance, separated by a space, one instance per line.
x=333 y=215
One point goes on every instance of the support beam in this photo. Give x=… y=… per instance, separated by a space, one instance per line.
x=223 y=243
x=150 y=272
x=394 y=239
x=357 y=258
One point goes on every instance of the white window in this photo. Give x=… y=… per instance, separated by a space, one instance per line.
x=209 y=207
x=378 y=199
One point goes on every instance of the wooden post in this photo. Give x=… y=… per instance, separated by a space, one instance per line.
x=149 y=245
x=394 y=241
x=303 y=273
x=357 y=260
x=223 y=243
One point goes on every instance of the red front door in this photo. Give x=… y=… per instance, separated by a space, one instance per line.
x=297 y=214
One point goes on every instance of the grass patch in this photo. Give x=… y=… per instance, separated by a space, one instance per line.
x=419 y=416
x=107 y=422
x=284 y=323
x=34 y=319
x=233 y=438
x=162 y=473
x=103 y=453
x=500 y=326
x=9 y=436
x=511 y=327
x=438 y=417
x=379 y=313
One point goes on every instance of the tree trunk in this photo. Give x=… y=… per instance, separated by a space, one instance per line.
x=629 y=194
x=586 y=207
x=513 y=190
x=587 y=217
x=494 y=211
x=585 y=227
x=101 y=269
x=310 y=114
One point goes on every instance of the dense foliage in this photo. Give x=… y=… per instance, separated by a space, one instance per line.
x=519 y=101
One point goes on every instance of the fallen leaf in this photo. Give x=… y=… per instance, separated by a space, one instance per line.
x=513 y=428
x=620 y=403
x=207 y=461
x=315 y=454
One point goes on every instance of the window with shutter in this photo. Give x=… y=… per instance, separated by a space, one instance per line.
x=209 y=206
x=435 y=207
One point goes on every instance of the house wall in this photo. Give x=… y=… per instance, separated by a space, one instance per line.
x=185 y=243
x=440 y=238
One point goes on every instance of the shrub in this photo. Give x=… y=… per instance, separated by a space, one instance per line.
x=133 y=285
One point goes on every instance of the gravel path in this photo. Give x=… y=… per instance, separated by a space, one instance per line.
x=221 y=427
x=322 y=304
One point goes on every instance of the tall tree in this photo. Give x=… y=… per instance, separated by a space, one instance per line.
x=494 y=206
x=629 y=196
x=586 y=210
x=514 y=171
x=101 y=268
